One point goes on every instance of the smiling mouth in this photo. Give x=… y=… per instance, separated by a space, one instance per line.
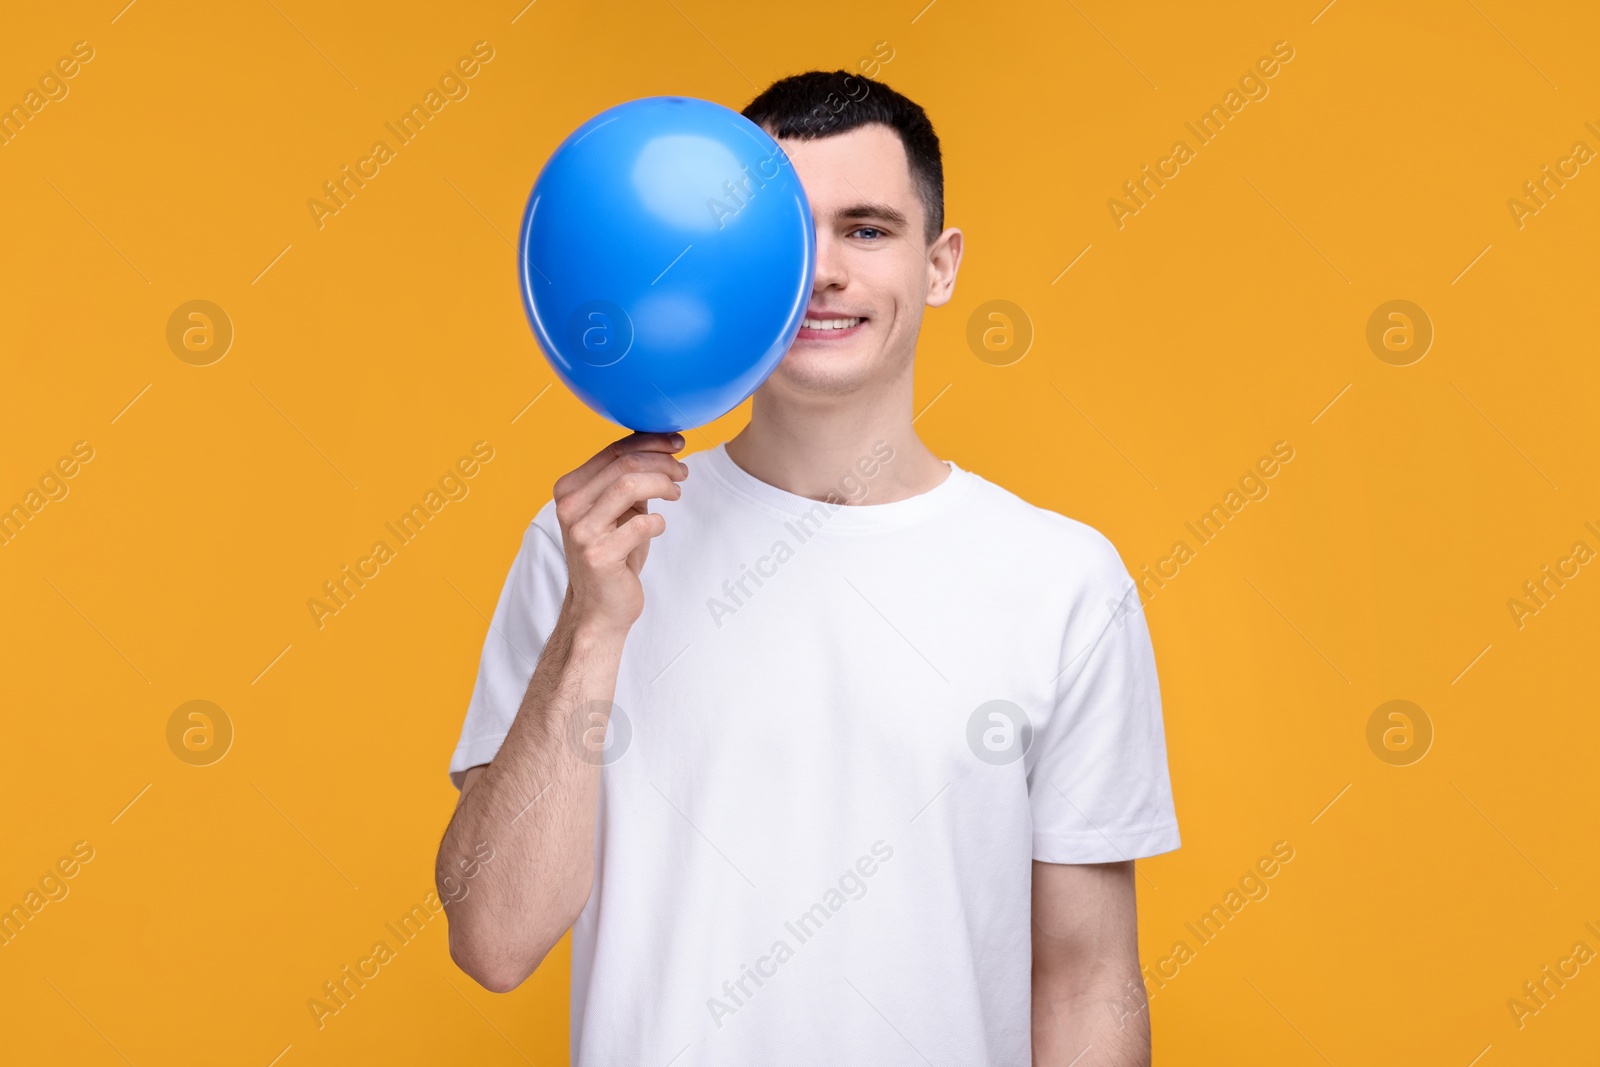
x=829 y=329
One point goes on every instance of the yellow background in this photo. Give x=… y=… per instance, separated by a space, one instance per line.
x=1223 y=317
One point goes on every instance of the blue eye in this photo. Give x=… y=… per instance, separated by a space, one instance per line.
x=873 y=229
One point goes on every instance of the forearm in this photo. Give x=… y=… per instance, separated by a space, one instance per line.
x=1097 y=1017
x=535 y=806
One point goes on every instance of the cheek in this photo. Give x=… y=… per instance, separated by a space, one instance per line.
x=904 y=303
x=890 y=283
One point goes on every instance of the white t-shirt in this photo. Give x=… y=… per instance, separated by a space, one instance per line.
x=845 y=733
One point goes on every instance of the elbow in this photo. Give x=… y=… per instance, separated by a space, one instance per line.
x=501 y=980
x=500 y=960
x=498 y=971
x=500 y=955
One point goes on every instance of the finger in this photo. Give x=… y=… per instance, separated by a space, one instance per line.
x=636 y=442
x=580 y=500
x=628 y=493
x=621 y=543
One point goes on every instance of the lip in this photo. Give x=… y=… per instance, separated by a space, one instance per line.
x=806 y=334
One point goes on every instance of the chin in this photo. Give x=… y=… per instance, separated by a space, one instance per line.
x=812 y=373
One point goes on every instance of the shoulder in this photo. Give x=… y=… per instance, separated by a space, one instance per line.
x=1069 y=570
x=544 y=533
x=1060 y=546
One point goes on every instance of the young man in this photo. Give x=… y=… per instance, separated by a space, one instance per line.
x=855 y=770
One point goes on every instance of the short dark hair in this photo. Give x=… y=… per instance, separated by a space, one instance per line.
x=826 y=103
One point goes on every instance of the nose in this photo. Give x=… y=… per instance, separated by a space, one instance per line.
x=831 y=272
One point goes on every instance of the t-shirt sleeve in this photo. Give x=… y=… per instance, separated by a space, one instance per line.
x=1098 y=787
x=530 y=603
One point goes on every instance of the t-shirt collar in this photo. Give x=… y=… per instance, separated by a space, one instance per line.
x=850 y=486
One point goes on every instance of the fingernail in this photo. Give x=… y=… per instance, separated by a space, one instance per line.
x=677 y=440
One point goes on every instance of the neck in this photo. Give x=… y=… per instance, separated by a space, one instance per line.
x=816 y=446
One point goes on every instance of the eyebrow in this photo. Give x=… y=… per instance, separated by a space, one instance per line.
x=873 y=210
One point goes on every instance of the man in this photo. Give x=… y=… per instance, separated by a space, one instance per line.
x=799 y=785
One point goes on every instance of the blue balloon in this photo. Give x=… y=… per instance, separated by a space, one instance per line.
x=666 y=259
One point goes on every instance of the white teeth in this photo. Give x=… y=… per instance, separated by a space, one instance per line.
x=830 y=324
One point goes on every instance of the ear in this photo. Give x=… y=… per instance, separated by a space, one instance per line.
x=944 y=259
